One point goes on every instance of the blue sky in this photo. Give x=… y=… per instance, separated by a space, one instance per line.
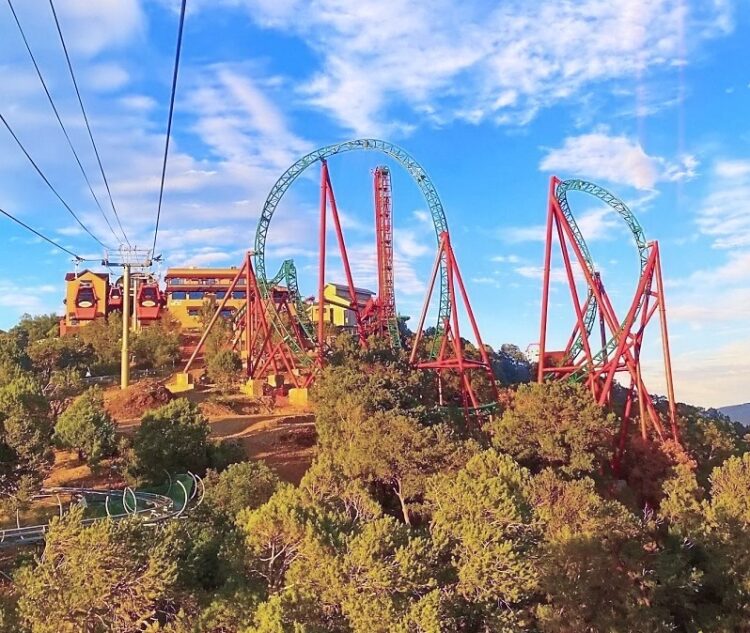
x=650 y=99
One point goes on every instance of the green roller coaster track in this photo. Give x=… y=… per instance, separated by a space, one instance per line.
x=561 y=193
x=288 y=274
x=415 y=170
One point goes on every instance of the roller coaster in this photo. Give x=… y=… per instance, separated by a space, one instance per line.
x=286 y=341
x=595 y=356
x=285 y=337
x=149 y=507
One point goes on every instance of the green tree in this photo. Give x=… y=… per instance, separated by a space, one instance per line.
x=25 y=432
x=172 y=438
x=595 y=562
x=223 y=369
x=220 y=334
x=557 y=425
x=51 y=354
x=110 y=576
x=483 y=517
x=87 y=427
x=105 y=338
x=63 y=386
x=282 y=531
x=385 y=569
x=13 y=358
x=157 y=346
x=244 y=485
x=710 y=439
x=35 y=328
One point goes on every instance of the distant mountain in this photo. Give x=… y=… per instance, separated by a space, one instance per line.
x=738 y=412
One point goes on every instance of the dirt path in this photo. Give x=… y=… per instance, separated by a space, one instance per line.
x=285 y=442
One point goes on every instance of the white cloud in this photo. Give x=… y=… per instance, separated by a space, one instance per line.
x=17 y=299
x=710 y=377
x=141 y=103
x=600 y=223
x=409 y=245
x=506 y=259
x=616 y=159
x=90 y=27
x=107 y=77
x=205 y=257
x=502 y=61
x=557 y=275
x=724 y=214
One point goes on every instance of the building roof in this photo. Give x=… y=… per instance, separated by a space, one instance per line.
x=345 y=288
x=199 y=273
x=74 y=276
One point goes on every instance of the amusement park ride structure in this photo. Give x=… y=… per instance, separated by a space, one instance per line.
x=596 y=355
x=282 y=346
x=279 y=343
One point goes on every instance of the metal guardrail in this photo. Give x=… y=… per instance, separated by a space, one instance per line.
x=154 y=508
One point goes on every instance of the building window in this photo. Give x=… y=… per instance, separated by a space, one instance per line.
x=176 y=281
x=220 y=294
x=195 y=295
x=227 y=313
x=239 y=294
x=178 y=296
x=194 y=312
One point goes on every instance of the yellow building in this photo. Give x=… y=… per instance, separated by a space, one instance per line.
x=86 y=295
x=337 y=310
x=188 y=289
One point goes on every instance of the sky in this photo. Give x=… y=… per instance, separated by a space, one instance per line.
x=649 y=99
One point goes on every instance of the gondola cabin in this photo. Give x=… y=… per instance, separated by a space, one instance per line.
x=115 y=299
x=86 y=296
x=148 y=300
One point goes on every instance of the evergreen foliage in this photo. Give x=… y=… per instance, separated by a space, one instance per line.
x=171 y=439
x=405 y=523
x=87 y=427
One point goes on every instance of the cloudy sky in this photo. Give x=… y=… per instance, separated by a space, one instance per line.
x=648 y=98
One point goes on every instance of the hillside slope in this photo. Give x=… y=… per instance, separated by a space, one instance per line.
x=738 y=412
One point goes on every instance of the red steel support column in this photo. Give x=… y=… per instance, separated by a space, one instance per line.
x=545 y=281
x=322 y=261
x=354 y=304
x=665 y=346
x=426 y=305
x=250 y=299
x=473 y=322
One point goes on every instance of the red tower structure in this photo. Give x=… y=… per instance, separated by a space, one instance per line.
x=597 y=363
x=451 y=355
x=379 y=315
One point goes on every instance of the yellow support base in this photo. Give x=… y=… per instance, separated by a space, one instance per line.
x=298 y=397
x=253 y=388
x=180 y=383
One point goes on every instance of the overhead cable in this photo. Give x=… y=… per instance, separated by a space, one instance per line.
x=86 y=119
x=48 y=183
x=38 y=234
x=169 y=120
x=59 y=118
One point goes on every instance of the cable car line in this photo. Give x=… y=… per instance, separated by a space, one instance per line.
x=86 y=119
x=78 y=258
x=59 y=118
x=169 y=120
x=49 y=184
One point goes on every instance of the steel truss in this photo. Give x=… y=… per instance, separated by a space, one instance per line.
x=617 y=351
x=451 y=356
